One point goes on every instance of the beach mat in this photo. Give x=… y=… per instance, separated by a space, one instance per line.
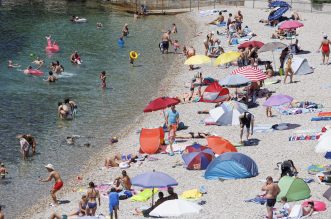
x=324 y=114
x=321 y=118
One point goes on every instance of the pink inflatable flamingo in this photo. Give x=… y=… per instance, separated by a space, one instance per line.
x=51 y=47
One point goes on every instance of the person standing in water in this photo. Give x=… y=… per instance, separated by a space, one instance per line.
x=58 y=182
x=165 y=41
x=125 y=30
x=3 y=171
x=325 y=49
x=174 y=28
x=103 y=79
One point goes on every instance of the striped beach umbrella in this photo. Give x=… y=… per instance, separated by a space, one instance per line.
x=253 y=73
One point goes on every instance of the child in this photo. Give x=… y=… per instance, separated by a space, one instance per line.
x=285 y=210
x=176 y=46
x=103 y=79
x=268 y=110
x=171 y=138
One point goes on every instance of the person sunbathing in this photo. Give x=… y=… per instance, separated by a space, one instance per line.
x=218 y=20
x=192 y=135
x=308 y=209
x=146 y=212
x=117 y=162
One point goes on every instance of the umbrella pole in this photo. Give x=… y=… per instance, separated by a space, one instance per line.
x=152 y=197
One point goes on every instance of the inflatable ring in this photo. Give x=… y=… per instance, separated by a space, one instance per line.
x=133 y=55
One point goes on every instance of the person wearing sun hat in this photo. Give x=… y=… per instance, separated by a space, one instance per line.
x=58 y=181
x=325 y=49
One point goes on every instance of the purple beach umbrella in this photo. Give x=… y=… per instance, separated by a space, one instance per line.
x=277 y=100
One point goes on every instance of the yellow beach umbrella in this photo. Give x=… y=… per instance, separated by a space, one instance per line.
x=198 y=60
x=226 y=58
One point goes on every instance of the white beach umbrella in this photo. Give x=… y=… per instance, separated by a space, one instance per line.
x=324 y=143
x=228 y=113
x=175 y=208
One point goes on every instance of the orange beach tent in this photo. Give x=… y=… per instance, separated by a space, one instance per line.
x=151 y=139
x=220 y=145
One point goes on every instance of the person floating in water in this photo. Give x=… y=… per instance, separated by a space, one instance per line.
x=12 y=65
x=99 y=25
x=75 y=58
x=133 y=56
x=103 y=79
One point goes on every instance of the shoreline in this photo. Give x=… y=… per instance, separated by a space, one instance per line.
x=122 y=135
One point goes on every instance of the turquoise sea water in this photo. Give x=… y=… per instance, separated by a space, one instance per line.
x=29 y=105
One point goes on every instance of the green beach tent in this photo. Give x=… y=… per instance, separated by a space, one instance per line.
x=293 y=188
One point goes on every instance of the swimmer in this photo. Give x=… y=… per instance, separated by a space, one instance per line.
x=176 y=46
x=174 y=28
x=65 y=110
x=103 y=79
x=125 y=30
x=3 y=171
x=12 y=65
x=51 y=77
x=99 y=25
x=57 y=68
x=75 y=58
x=38 y=62
x=136 y=15
x=27 y=71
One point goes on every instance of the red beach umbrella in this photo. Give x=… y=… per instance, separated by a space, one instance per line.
x=161 y=103
x=252 y=43
x=253 y=73
x=287 y=25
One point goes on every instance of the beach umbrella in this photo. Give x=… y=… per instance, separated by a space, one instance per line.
x=291 y=24
x=277 y=100
x=252 y=73
x=197 y=157
x=324 y=143
x=175 y=208
x=252 y=43
x=226 y=57
x=275 y=4
x=228 y=113
x=274 y=15
x=198 y=60
x=153 y=180
x=271 y=47
x=161 y=103
x=235 y=81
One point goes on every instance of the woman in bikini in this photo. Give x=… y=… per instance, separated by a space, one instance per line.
x=82 y=205
x=103 y=79
x=325 y=49
x=92 y=196
x=288 y=69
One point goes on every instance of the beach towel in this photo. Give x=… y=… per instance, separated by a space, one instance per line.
x=144 y=195
x=316 y=168
x=257 y=200
x=324 y=114
x=263 y=128
x=304 y=137
x=192 y=194
x=325 y=118
x=223 y=24
x=287 y=110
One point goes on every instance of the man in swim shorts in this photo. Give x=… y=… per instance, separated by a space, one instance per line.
x=246 y=119
x=165 y=41
x=58 y=181
x=272 y=190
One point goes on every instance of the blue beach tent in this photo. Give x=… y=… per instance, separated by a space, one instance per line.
x=231 y=165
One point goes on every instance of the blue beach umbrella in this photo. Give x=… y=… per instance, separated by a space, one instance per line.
x=279 y=4
x=197 y=157
x=278 y=13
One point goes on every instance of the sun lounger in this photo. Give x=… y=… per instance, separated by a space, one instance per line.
x=143 y=196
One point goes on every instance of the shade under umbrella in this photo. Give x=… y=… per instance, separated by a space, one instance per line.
x=197 y=157
x=272 y=46
x=235 y=81
x=253 y=73
x=274 y=15
x=175 y=208
x=226 y=57
x=198 y=60
x=161 y=103
x=291 y=24
x=277 y=100
x=252 y=43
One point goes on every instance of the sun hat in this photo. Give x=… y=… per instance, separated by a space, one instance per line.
x=49 y=166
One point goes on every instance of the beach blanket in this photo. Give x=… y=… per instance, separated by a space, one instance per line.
x=324 y=114
x=257 y=200
x=263 y=128
x=144 y=195
x=304 y=137
x=223 y=24
x=316 y=168
x=287 y=110
x=324 y=118
x=192 y=194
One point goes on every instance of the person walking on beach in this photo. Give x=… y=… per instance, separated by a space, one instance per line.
x=58 y=182
x=103 y=79
x=172 y=121
x=165 y=42
x=325 y=49
x=92 y=196
x=246 y=119
x=114 y=203
x=272 y=190
x=288 y=69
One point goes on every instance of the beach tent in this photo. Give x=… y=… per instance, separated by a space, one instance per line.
x=228 y=113
x=300 y=66
x=220 y=145
x=214 y=93
x=231 y=165
x=293 y=188
x=151 y=139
